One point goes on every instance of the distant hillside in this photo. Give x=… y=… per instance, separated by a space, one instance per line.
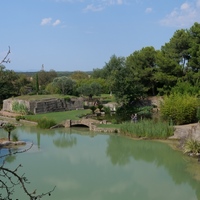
x=59 y=73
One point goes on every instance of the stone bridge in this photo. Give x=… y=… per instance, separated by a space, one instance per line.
x=90 y=123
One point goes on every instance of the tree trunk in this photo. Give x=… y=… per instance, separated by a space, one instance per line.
x=8 y=136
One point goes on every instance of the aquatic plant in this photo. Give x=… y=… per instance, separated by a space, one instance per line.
x=45 y=123
x=147 y=128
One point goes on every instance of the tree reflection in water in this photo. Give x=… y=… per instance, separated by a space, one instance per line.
x=65 y=140
x=122 y=151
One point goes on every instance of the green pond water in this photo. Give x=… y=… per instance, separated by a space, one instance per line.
x=88 y=166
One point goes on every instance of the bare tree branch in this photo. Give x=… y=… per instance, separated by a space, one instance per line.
x=6 y=59
x=9 y=179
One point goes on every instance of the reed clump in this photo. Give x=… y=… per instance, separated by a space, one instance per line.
x=151 y=129
x=45 y=123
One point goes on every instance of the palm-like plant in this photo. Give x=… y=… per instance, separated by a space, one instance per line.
x=9 y=128
x=192 y=146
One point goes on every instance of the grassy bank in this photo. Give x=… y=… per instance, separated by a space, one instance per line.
x=145 y=128
x=58 y=117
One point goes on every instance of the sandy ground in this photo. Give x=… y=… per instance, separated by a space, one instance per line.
x=8 y=114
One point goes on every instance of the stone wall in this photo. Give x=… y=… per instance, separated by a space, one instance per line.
x=7 y=104
x=45 y=105
x=75 y=103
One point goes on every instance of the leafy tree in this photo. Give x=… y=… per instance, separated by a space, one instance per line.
x=167 y=73
x=90 y=89
x=126 y=86
x=178 y=48
x=8 y=83
x=172 y=61
x=44 y=78
x=143 y=65
x=194 y=62
x=95 y=89
x=52 y=88
x=37 y=83
x=22 y=84
x=185 y=87
x=104 y=84
x=98 y=73
x=64 y=84
x=78 y=75
x=113 y=64
x=8 y=127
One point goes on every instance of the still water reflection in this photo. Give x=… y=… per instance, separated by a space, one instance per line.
x=88 y=166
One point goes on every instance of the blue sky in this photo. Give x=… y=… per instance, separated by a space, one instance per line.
x=70 y=35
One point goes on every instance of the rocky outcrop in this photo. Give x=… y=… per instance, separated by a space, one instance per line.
x=8 y=144
x=185 y=131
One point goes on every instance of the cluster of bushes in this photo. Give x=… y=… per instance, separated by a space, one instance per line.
x=181 y=108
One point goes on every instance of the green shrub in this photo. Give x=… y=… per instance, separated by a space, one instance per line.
x=45 y=123
x=145 y=112
x=67 y=99
x=106 y=110
x=93 y=108
x=15 y=137
x=114 y=121
x=100 y=107
x=86 y=107
x=180 y=108
x=19 y=117
x=19 y=108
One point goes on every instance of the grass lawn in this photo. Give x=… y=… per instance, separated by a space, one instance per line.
x=40 y=97
x=58 y=117
x=107 y=98
x=103 y=97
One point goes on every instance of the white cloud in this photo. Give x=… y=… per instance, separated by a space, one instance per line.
x=113 y=2
x=45 y=21
x=56 y=22
x=48 y=21
x=148 y=10
x=184 y=16
x=93 y=8
x=185 y=6
x=99 y=5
